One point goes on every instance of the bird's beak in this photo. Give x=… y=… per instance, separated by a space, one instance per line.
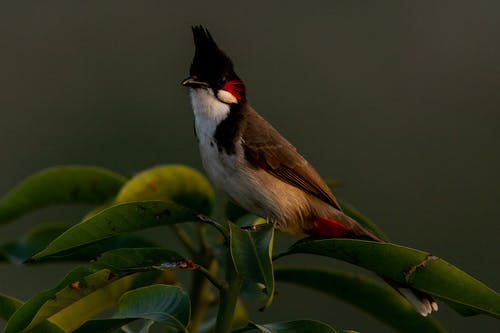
x=193 y=82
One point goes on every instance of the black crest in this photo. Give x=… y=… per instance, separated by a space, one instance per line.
x=209 y=64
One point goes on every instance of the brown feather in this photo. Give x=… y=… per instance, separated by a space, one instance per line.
x=269 y=150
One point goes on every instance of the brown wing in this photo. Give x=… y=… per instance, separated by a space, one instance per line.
x=269 y=150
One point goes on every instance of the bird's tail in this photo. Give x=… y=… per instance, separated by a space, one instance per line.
x=423 y=303
x=342 y=226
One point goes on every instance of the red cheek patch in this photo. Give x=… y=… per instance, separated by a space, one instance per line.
x=326 y=227
x=235 y=88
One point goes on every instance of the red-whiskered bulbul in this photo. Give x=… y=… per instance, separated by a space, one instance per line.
x=247 y=158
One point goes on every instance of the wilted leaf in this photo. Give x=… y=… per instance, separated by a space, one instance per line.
x=251 y=252
x=410 y=267
x=116 y=220
x=375 y=298
x=178 y=183
x=60 y=185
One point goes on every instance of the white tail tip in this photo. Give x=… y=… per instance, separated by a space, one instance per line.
x=424 y=306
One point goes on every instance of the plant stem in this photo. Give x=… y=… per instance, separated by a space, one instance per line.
x=202 y=236
x=201 y=296
x=210 y=276
x=228 y=298
x=223 y=230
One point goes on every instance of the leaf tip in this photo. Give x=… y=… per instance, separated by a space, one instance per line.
x=30 y=260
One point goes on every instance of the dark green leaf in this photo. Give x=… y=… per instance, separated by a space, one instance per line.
x=167 y=304
x=8 y=305
x=296 y=326
x=38 y=238
x=178 y=183
x=161 y=303
x=233 y=211
x=116 y=220
x=47 y=327
x=240 y=320
x=410 y=267
x=92 y=251
x=60 y=185
x=251 y=252
x=102 y=325
x=34 y=241
x=376 y=298
x=123 y=261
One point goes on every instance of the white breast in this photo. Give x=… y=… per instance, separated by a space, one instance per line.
x=209 y=112
x=229 y=173
x=255 y=190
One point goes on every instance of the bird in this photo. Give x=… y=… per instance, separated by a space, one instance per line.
x=247 y=158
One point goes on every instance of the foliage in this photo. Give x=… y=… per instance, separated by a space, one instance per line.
x=126 y=278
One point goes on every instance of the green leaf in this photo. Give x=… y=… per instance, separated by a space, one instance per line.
x=122 y=261
x=92 y=251
x=114 y=221
x=239 y=323
x=177 y=183
x=8 y=305
x=35 y=240
x=60 y=185
x=166 y=304
x=103 y=296
x=82 y=300
x=296 y=326
x=38 y=238
x=362 y=219
x=102 y=325
x=233 y=211
x=410 y=267
x=82 y=295
x=251 y=252
x=375 y=298
x=23 y=316
x=47 y=327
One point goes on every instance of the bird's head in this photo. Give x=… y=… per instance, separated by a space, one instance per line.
x=212 y=70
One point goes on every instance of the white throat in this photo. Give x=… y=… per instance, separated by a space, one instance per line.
x=205 y=104
x=208 y=112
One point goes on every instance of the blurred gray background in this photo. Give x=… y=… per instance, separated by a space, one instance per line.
x=398 y=100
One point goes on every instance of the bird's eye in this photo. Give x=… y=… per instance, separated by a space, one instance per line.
x=221 y=81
